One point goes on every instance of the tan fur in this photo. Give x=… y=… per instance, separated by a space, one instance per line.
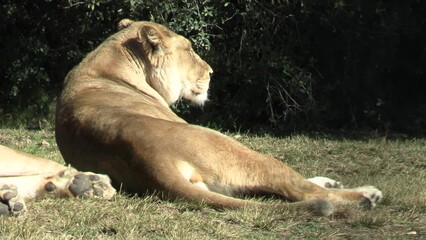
x=113 y=117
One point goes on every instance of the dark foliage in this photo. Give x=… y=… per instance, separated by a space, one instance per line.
x=288 y=64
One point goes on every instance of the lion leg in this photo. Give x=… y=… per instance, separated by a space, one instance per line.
x=25 y=176
x=10 y=201
x=72 y=183
x=265 y=174
x=193 y=188
x=17 y=163
x=326 y=188
x=247 y=171
x=259 y=174
x=67 y=183
x=367 y=196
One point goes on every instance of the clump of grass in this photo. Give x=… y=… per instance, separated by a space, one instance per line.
x=369 y=220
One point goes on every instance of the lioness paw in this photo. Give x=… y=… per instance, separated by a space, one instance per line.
x=80 y=184
x=371 y=195
x=86 y=185
x=326 y=182
x=10 y=201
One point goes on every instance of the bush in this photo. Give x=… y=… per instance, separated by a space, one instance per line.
x=289 y=64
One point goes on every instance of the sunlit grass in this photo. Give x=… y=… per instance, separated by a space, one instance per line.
x=397 y=167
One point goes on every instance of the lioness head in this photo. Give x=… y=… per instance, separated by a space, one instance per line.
x=171 y=66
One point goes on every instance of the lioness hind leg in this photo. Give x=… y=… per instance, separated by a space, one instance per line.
x=72 y=183
x=325 y=188
x=371 y=195
x=367 y=196
x=10 y=201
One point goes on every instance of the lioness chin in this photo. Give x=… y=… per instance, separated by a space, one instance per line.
x=113 y=117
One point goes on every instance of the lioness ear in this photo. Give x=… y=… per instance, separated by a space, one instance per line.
x=124 y=23
x=151 y=35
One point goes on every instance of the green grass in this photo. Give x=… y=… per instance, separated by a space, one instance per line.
x=397 y=167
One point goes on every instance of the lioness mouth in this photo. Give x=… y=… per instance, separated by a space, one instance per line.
x=196 y=93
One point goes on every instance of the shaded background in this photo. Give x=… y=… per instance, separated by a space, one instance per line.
x=280 y=65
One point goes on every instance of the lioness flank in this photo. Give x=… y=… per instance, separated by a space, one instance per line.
x=113 y=117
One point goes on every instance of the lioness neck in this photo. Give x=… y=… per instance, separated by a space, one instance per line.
x=117 y=60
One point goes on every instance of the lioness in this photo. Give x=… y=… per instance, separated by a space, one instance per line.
x=113 y=117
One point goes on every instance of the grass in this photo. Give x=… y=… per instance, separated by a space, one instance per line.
x=397 y=167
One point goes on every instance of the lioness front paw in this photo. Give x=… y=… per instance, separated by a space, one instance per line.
x=326 y=182
x=91 y=185
x=10 y=201
x=371 y=195
x=80 y=184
